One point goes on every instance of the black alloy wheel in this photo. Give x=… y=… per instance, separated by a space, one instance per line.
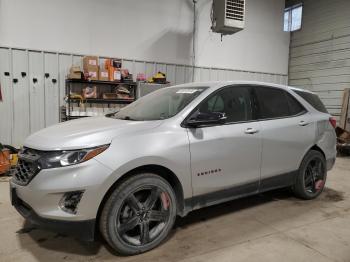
x=139 y=214
x=143 y=215
x=314 y=177
x=311 y=177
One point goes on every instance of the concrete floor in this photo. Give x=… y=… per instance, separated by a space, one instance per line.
x=270 y=227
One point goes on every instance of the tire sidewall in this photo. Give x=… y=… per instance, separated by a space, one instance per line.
x=118 y=199
x=301 y=181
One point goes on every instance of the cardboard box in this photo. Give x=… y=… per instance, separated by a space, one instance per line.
x=103 y=75
x=115 y=62
x=91 y=72
x=74 y=72
x=89 y=61
x=114 y=74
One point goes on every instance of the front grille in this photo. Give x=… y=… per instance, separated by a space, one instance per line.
x=27 y=167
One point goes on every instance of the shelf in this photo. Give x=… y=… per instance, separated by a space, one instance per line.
x=99 y=82
x=103 y=101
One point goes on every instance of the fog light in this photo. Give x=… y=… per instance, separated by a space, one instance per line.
x=70 y=200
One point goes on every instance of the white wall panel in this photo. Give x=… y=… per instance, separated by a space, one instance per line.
x=179 y=75
x=6 y=105
x=21 y=108
x=197 y=74
x=222 y=75
x=51 y=89
x=188 y=74
x=140 y=67
x=77 y=60
x=171 y=73
x=150 y=69
x=64 y=62
x=204 y=74
x=36 y=91
x=213 y=74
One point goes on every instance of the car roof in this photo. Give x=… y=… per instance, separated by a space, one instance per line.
x=218 y=84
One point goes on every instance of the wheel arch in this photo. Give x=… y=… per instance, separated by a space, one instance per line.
x=314 y=147
x=159 y=170
x=317 y=148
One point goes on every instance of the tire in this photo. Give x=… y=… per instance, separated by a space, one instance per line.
x=139 y=214
x=311 y=177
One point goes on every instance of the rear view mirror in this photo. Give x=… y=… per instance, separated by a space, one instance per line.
x=206 y=119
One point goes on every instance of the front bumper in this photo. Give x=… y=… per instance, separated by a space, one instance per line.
x=84 y=230
x=39 y=201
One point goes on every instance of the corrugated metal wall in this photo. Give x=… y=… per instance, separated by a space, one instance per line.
x=320 y=52
x=33 y=86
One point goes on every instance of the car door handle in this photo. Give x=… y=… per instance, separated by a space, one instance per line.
x=251 y=131
x=303 y=123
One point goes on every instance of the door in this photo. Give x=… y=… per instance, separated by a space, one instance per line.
x=226 y=158
x=286 y=132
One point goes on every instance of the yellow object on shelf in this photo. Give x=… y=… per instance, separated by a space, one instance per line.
x=13 y=159
x=157 y=78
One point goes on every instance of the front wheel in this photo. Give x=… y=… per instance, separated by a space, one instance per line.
x=312 y=176
x=139 y=214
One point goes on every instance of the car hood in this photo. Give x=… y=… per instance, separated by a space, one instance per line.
x=85 y=133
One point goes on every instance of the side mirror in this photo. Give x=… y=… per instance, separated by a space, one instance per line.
x=206 y=119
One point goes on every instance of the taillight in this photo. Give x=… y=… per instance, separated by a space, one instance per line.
x=333 y=121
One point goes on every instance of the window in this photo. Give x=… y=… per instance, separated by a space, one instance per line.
x=313 y=100
x=235 y=102
x=295 y=107
x=161 y=104
x=276 y=103
x=292 y=18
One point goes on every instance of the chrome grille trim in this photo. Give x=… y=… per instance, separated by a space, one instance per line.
x=27 y=167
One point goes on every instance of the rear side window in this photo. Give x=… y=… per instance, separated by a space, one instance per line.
x=313 y=100
x=272 y=102
x=276 y=103
x=295 y=107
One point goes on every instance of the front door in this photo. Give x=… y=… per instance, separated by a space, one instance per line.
x=225 y=159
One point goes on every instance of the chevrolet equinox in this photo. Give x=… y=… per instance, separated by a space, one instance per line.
x=129 y=174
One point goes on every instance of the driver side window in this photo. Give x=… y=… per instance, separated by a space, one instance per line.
x=234 y=101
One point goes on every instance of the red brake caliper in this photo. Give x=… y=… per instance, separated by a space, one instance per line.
x=165 y=200
x=319 y=184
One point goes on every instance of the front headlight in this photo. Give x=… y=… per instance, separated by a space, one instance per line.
x=69 y=157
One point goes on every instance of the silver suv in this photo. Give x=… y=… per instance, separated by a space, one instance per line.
x=129 y=174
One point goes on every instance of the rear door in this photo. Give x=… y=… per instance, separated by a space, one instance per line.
x=287 y=133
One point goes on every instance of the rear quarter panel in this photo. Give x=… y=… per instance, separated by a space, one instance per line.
x=325 y=138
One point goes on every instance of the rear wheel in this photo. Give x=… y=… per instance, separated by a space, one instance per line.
x=312 y=176
x=139 y=214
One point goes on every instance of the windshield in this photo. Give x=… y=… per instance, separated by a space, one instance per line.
x=161 y=104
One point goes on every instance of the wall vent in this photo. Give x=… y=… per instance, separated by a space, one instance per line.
x=228 y=16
